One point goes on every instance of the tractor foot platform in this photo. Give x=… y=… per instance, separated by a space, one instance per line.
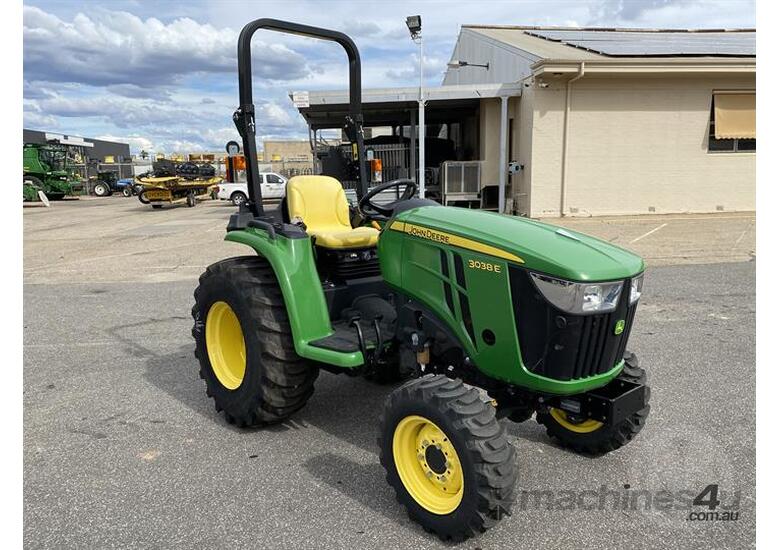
x=346 y=337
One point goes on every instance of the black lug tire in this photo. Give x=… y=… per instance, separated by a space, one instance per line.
x=607 y=438
x=142 y=197
x=126 y=191
x=487 y=458
x=157 y=206
x=277 y=381
x=101 y=190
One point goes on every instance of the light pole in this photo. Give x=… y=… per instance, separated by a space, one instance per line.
x=414 y=23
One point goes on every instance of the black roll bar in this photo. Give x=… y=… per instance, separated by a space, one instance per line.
x=244 y=117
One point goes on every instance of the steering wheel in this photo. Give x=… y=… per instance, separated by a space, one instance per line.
x=369 y=209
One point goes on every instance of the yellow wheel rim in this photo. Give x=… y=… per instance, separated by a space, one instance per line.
x=428 y=465
x=584 y=427
x=225 y=345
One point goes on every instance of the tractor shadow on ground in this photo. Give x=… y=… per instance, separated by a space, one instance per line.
x=363 y=483
x=348 y=408
x=174 y=373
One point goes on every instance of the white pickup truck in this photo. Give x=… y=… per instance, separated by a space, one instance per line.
x=273 y=186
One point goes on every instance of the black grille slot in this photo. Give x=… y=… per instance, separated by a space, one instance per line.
x=445 y=270
x=465 y=310
x=460 y=277
x=466 y=313
x=558 y=345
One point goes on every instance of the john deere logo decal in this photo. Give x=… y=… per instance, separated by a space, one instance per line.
x=619 y=326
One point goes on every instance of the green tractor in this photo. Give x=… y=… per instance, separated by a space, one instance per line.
x=487 y=316
x=46 y=169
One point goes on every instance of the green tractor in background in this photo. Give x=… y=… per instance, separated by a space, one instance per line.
x=488 y=316
x=46 y=169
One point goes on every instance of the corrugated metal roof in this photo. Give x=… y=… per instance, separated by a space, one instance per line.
x=655 y=43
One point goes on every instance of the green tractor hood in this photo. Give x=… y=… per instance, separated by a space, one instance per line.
x=537 y=246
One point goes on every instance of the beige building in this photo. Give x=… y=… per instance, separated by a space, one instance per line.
x=288 y=157
x=602 y=121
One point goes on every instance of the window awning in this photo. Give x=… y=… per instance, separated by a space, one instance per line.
x=735 y=115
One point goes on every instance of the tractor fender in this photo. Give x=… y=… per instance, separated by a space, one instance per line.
x=296 y=273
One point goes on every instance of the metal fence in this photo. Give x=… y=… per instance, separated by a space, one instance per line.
x=394 y=157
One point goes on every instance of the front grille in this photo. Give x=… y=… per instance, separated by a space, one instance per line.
x=558 y=345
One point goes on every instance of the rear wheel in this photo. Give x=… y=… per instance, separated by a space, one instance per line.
x=591 y=437
x=101 y=190
x=238 y=198
x=244 y=344
x=447 y=457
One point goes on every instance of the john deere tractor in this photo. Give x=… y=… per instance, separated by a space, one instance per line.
x=46 y=169
x=488 y=317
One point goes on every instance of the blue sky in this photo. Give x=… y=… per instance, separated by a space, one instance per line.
x=162 y=75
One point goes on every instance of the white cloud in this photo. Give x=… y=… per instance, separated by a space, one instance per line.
x=272 y=114
x=110 y=48
x=432 y=66
x=133 y=90
x=39 y=121
x=121 y=112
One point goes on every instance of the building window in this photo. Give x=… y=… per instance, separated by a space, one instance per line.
x=732 y=122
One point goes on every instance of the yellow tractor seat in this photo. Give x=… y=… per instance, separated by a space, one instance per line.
x=321 y=203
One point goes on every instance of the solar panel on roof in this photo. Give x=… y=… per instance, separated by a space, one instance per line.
x=617 y=43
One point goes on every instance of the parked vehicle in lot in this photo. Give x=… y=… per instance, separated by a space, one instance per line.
x=129 y=187
x=106 y=183
x=273 y=188
x=46 y=169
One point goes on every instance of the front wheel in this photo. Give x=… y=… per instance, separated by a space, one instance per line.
x=589 y=436
x=447 y=457
x=127 y=191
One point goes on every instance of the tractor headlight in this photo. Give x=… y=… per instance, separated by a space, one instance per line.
x=579 y=298
x=636 y=288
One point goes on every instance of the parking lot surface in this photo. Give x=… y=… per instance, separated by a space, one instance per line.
x=123 y=448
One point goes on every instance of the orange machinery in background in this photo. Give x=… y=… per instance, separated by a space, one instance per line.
x=235 y=166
